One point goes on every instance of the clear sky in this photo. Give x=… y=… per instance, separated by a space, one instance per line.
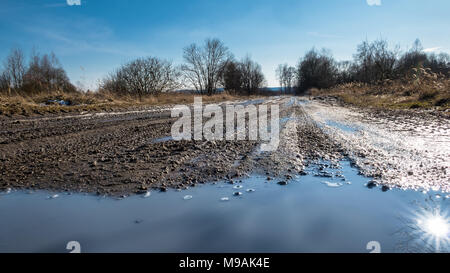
x=93 y=37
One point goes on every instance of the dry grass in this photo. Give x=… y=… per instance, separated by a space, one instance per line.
x=421 y=89
x=93 y=101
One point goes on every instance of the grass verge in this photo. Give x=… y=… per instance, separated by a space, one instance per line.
x=422 y=90
x=93 y=102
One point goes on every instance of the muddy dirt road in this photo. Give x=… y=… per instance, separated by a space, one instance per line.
x=131 y=152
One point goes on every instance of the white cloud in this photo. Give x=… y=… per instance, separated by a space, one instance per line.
x=322 y=35
x=74 y=2
x=373 y=2
x=432 y=49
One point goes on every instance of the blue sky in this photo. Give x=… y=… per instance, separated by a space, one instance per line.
x=93 y=37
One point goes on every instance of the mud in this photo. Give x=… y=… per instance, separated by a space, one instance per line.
x=131 y=152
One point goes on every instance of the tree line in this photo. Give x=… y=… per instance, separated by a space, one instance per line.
x=372 y=63
x=207 y=68
x=42 y=73
x=210 y=67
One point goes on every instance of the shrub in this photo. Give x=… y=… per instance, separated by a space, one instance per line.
x=149 y=76
x=316 y=69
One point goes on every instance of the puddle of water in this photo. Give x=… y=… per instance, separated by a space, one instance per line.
x=251 y=102
x=302 y=216
x=162 y=139
x=333 y=184
x=343 y=127
x=295 y=101
x=284 y=120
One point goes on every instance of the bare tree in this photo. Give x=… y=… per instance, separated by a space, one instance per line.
x=439 y=63
x=280 y=75
x=414 y=58
x=290 y=78
x=5 y=83
x=346 y=71
x=251 y=75
x=232 y=77
x=316 y=69
x=204 y=65
x=375 y=61
x=149 y=76
x=45 y=74
x=15 y=68
x=286 y=77
x=243 y=77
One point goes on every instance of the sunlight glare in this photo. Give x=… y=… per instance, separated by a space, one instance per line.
x=437 y=226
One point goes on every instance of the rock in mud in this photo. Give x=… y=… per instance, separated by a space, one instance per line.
x=371 y=184
x=141 y=192
x=303 y=173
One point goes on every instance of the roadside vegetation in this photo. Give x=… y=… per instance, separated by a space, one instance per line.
x=378 y=76
x=42 y=86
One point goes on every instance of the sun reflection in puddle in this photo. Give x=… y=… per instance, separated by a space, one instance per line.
x=426 y=229
x=435 y=228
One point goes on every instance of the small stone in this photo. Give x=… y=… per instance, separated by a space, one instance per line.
x=385 y=188
x=141 y=192
x=283 y=183
x=237 y=193
x=303 y=173
x=187 y=197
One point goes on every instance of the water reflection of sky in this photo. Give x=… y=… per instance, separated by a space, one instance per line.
x=304 y=216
